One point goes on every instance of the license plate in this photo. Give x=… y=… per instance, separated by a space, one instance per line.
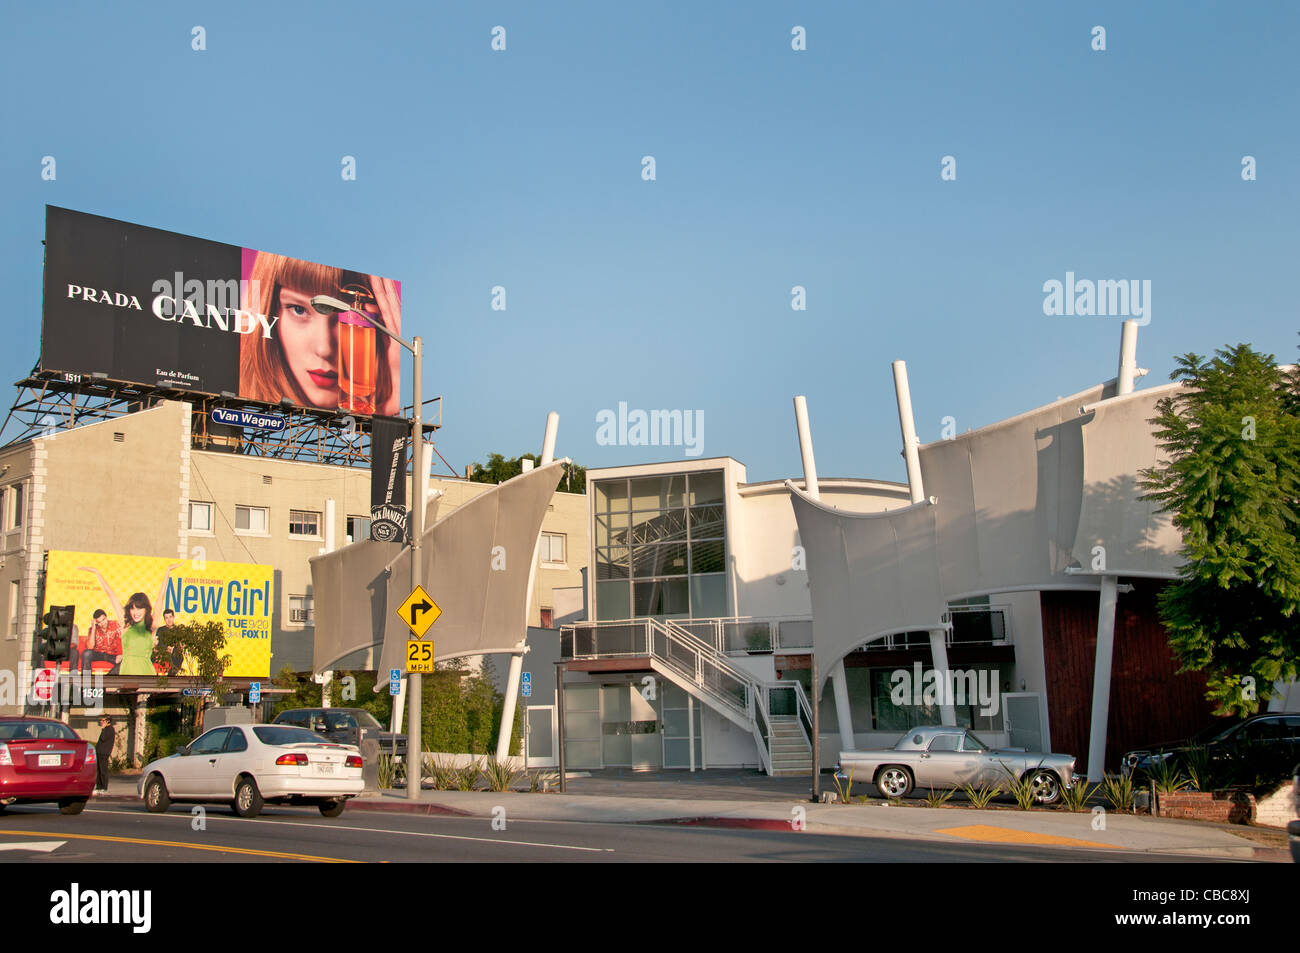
x=322 y=768
x=49 y=760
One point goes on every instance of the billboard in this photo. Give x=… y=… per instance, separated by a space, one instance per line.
x=123 y=601
x=153 y=307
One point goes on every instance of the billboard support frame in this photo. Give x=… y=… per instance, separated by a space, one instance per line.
x=50 y=401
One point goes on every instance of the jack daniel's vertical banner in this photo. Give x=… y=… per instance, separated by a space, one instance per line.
x=388 y=439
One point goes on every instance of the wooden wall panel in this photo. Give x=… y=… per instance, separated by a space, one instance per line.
x=1149 y=701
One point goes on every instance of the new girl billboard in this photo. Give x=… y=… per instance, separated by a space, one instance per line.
x=152 y=307
x=123 y=601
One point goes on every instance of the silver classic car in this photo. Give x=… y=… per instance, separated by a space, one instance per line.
x=945 y=757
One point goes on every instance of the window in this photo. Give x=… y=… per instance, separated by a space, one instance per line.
x=552 y=549
x=660 y=546
x=300 y=610
x=211 y=743
x=236 y=741
x=304 y=523
x=250 y=519
x=944 y=742
x=548 y=618
x=201 y=517
x=13 y=608
x=13 y=513
x=358 y=528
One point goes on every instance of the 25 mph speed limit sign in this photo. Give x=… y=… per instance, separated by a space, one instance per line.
x=419 y=657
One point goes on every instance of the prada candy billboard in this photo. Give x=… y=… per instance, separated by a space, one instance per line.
x=152 y=307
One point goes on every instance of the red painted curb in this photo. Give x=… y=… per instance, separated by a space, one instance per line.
x=355 y=804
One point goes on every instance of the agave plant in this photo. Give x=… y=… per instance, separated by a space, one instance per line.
x=466 y=778
x=541 y=780
x=1197 y=762
x=387 y=771
x=442 y=772
x=500 y=775
x=1022 y=789
x=844 y=788
x=1118 y=789
x=938 y=798
x=981 y=796
x=1076 y=797
x=1166 y=778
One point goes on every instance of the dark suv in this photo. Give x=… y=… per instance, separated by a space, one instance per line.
x=349 y=726
x=1269 y=742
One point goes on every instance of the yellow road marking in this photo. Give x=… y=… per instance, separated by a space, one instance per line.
x=283 y=855
x=1007 y=835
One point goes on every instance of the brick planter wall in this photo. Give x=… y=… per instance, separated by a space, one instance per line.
x=1223 y=807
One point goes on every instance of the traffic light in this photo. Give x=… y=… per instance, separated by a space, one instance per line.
x=57 y=637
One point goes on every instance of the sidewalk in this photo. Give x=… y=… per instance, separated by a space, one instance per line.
x=764 y=806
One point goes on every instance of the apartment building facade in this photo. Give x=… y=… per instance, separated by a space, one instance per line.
x=135 y=485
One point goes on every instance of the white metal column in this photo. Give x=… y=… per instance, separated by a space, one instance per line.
x=517 y=658
x=916 y=489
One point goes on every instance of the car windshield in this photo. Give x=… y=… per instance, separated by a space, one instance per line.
x=284 y=735
x=1214 y=732
x=974 y=744
x=35 y=731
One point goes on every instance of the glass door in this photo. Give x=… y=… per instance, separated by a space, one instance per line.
x=629 y=728
x=681 y=728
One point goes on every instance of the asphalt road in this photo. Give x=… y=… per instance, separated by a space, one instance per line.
x=127 y=833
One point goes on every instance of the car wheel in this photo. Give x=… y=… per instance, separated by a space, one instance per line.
x=72 y=806
x=894 y=781
x=156 y=798
x=248 y=800
x=1047 y=786
x=332 y=808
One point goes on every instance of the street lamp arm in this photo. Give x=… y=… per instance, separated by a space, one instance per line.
x=328 y=305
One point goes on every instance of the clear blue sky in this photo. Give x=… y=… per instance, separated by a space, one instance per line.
x=775 y=168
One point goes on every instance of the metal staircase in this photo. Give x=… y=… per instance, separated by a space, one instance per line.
x=777 y=714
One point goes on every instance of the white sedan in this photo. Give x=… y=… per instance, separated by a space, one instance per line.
x=247 y=766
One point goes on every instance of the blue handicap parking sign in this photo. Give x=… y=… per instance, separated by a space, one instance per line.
x=254 y=693
x=394 y=681
x=528 y=684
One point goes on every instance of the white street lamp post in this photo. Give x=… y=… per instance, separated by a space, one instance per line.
x=325 y=304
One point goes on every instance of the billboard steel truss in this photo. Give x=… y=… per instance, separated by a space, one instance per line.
x=48 y=403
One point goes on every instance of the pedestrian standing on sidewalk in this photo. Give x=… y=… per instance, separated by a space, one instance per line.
x=103 y=752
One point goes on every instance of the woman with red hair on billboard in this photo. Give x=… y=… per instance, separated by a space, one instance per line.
x=139 y=625
x=330 y=361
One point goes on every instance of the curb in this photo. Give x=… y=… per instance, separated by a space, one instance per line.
x=743 y=823
x=406 y=807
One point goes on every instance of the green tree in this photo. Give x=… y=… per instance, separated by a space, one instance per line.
x=498 y=469
x=1232 y=481
x=205 y=664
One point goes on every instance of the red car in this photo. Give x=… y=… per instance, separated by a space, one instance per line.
x=43 y=760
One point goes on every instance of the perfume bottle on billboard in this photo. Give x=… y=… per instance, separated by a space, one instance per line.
x=358 y=363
